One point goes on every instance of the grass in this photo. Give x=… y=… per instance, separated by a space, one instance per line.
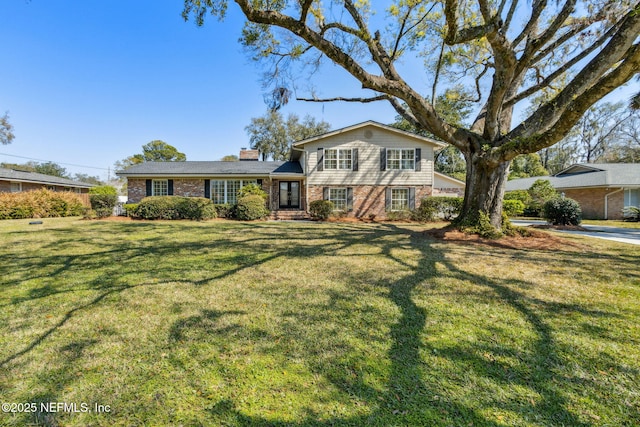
x=611 y=223
x=307 y=324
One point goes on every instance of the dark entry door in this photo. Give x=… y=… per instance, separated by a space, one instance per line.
x=289 y=194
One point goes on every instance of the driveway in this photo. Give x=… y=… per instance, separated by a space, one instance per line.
x=617 y=234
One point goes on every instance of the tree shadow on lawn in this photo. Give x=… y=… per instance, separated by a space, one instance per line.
x=413 y=394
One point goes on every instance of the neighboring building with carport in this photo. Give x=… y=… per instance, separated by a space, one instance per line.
x=602 y=189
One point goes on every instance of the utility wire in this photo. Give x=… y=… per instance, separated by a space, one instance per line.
x=59 y=163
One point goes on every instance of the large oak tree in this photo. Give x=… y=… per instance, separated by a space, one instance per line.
x=511 y=50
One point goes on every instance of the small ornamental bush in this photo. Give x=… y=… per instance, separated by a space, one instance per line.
x=435 y=208
x=321 y=209
x=631 y=213
x=225 y=210
x=513 y=207
x=131 y=209
x=252 y=189
x=104 y=189
x=40 y=204
x=522 y=195
x=562 y=212
x=175 y=207
x=251 y=207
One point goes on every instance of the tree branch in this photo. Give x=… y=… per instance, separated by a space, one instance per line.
x=340 y=98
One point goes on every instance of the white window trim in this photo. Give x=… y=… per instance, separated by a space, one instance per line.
x=243 y=182
x=12 y=183
x=153 y=186
x=346 y=197
x=408 y=192
x=338 y=158
x=401 y=150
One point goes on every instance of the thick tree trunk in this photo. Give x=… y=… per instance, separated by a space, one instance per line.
x=484 y=191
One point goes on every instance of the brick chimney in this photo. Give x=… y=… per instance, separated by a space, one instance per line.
x=251 y=155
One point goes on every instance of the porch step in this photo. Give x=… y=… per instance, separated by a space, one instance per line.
x=288 y=215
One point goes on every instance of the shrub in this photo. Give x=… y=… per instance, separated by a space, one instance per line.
x=541 y=192
x=321 y=209
x=131 y=209
x=252 y=189
x=513 y=207
x=631 y=213
x=434 y=208
x=401 y=215
x=225 y=211
x=41 y=203
x=104 y=190
x=251 y=207
x=197 y=208
x=522 y=195
x=561 y=211
x=103 y=203
x=175 y=207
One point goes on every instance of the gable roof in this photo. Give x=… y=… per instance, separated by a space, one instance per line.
x=203 y=168
x=583 y=175
x=373 y=124
x=40 y=178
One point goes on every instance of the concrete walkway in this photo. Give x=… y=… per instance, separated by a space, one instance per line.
x=617 y=234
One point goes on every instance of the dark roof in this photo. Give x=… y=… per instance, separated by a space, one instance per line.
x=39 y=178
x=583 y=175
x=191 y=168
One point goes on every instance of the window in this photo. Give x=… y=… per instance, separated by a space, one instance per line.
x=226 y=191
x=16 y=187
x=338 y=159
x=339 y=198
x=160 y=187
x=632 y=197
x=399 y=199
x=401 y=158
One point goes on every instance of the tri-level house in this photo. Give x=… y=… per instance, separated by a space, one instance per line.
x=366 y=170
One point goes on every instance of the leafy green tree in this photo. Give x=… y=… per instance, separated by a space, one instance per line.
x=272 y=135
x=154 y=151
x=51 y=168
x=83 y=177
x=6 y=130
x=541 y=191
x=527 y=165
x=511 y=49
x=454 y=104
x=230 y=158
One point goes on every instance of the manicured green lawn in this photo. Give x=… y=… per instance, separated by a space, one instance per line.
x=296 y=324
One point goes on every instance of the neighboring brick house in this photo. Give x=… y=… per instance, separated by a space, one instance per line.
x=16 y=181
x=602 y=190
x=366 y=170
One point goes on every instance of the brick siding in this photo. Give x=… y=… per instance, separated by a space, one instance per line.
x=368 y=200
x=592 y=202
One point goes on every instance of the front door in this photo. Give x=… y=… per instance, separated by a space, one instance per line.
x=289 y=194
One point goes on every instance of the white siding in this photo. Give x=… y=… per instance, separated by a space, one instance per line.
x=369 y=140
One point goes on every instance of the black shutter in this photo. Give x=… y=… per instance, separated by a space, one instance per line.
x=387 y=199
x=207 y=189
x=418 y=159
x=383 y=159
x=325 y=193
x=259 y=181
x=320 y=159
x=412 y=197
x=349 y=199
x=354 y=159
x=170 y=187
x=148 y=193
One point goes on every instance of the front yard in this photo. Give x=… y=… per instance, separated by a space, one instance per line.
x=297 y=324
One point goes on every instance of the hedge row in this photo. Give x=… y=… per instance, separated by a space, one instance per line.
x=172 y=207
x=41 y=203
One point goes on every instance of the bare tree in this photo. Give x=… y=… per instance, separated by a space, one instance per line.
x=582 y=50
x=6 y=130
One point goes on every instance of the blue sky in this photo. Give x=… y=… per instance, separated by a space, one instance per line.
x=89 y=83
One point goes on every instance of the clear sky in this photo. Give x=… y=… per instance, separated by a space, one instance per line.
x=90 y=82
